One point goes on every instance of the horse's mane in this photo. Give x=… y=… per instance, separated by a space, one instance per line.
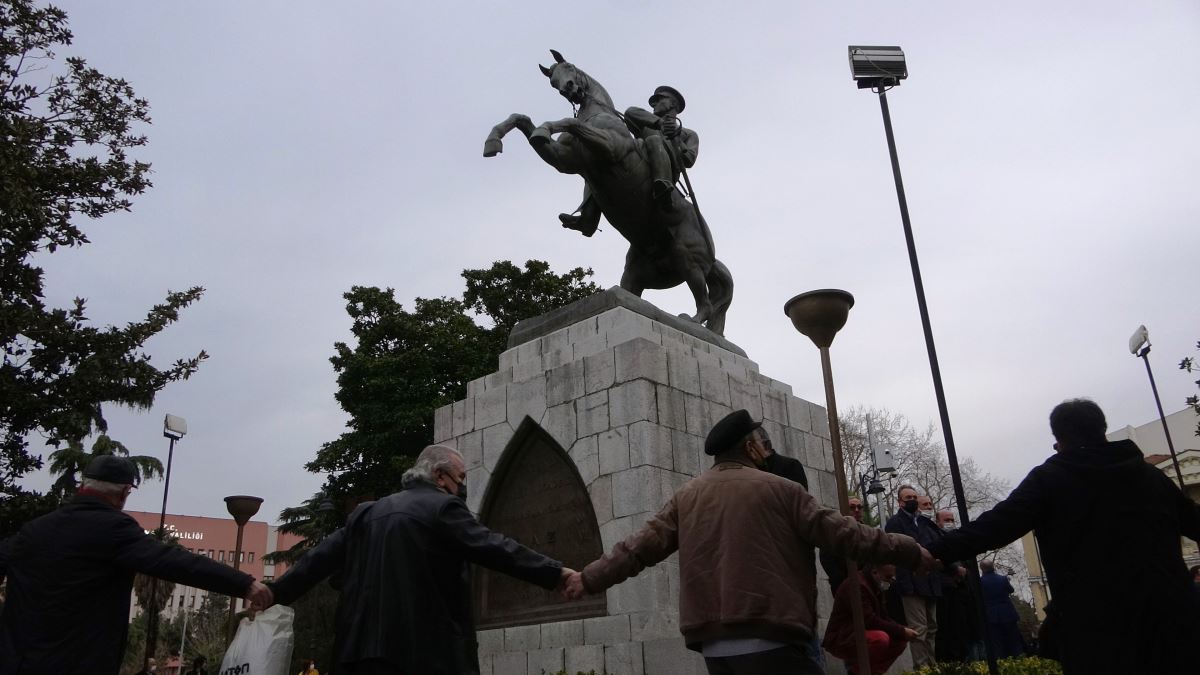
x=596 y=89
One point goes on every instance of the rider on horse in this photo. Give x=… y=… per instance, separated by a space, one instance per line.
x=667 y=144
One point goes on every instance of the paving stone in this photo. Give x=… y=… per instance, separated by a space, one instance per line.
x=562 y=634
x=744 y=395
x=546 y=661
x=614 y=450
x=599 y=371
x=798 y=415
x=774 y=404
x=714 y=383
x=646 y=592
x=585 y=659
x=656 y=624
x=490 y=641
x=491 y=406
x=623 y=659
x=683 y=372
x=671 y=407
x=670 y=656
x=686 y=451
x=564 y=383
x=618 y=529
x=829 y=494
x=470 y=447
x=606 y=630
x=639 y=490
x=495 y=441
x=695 y=412
x=510 y=663
x=631 y=402
x=586 y=457
x=560 y=422
x=526 y=399
x=582 y=329
x=462 y=418
x=592 y=414
x=600 y=490
x=820 y=420
x=442 y=425
x=650 y=443
x=640 y=358
x=522 y=638
x=589 y=346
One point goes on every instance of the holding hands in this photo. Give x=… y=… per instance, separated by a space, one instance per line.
x=259 y=596
x=571 y=585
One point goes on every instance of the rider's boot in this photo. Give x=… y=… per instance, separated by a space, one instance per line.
x=580 y=223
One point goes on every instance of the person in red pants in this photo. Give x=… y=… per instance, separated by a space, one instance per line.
x=886 y=639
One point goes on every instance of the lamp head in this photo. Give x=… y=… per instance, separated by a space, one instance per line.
x=174 y=427
x=873 y=67
x=243 y=507
x=1139 y=338
x=876 y=487
x=820 y=314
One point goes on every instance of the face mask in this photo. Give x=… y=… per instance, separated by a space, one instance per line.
x=884 y=585
x=928 y=514
x=910 y=506
x=462 y=491
x=949 y=527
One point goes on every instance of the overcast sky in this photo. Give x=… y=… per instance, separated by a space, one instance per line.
x=1050 y=154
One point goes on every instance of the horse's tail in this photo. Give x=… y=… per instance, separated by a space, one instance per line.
x=720 y=293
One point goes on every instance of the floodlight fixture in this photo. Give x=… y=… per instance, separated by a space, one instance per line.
x=174 y=427
x=876 y=67
x=1140 y=338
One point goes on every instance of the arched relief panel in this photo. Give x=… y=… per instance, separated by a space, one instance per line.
x=537 y=497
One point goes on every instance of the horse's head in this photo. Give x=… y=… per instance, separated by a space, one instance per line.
x=570 y=81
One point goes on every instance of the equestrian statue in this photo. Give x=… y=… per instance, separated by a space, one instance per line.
x=631 y=164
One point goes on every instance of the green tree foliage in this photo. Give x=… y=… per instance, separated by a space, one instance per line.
x=67 y=131
x=314 y=627
x=69 y=462
x=1189 y=364
x=407 y=363
x=310 y=521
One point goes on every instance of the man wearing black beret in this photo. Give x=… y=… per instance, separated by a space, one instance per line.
x=70 y=573
x=745 y=539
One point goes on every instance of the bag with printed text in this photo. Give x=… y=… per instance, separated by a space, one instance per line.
x=262 y=646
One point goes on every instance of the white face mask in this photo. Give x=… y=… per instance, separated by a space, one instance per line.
x=928 y=514
x=950 y=526
x=885 y=585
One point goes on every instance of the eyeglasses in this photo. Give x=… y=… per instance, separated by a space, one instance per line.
x=856 y=507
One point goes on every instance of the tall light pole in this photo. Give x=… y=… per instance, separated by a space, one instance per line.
x=1139 y=345
x=242 y=508
x=174 y=428
x=820 y=315
x=880 y=69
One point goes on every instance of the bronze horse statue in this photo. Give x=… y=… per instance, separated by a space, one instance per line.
x=669 y=241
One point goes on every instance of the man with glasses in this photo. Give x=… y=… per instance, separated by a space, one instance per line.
x=770 y=461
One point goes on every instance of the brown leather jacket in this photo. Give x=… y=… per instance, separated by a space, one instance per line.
x=745 y=540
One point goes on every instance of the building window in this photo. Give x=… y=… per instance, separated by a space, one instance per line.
x=171 y=601
x=241 y=557
x=222 y=554
x=268 y=577
x=192 y=601
x=252 y=556
x=181 y=600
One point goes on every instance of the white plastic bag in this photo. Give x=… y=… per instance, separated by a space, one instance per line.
x=262 y=646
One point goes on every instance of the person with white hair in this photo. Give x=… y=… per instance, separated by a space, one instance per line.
x=401 y=561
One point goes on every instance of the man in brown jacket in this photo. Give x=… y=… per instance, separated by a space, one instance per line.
x=747 y=571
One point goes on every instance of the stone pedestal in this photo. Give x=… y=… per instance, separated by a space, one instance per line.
x=628 y=393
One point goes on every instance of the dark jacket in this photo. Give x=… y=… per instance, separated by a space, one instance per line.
x=787 y=467
x=839 y=635
x=402 y=567
x=926 y=533
x=70 y=574
x=1108 y=526
x=745 y=540
x=998 y=606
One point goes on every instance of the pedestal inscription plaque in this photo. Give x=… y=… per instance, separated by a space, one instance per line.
x=537 y=498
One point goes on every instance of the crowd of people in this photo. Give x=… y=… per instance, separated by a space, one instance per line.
x=746 y=533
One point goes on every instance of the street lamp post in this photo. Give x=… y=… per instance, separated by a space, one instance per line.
x=880 y=69
x=242 y=508
x=1139 y=345
x=174 y=428
x=820 y=315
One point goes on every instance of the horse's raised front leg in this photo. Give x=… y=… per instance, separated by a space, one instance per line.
x=558 y=154
x=494 y=145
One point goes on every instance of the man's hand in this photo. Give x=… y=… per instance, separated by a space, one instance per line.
x=572 y=587
x=670 y=125
x=910 y=633
x=259 y=596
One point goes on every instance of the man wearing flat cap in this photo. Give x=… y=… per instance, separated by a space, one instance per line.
x=745 y=540
x=70 y=573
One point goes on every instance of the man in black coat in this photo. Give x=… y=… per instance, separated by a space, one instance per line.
x=70 y=574
x=405 y=606
x=918 y=594
x=1108 y=525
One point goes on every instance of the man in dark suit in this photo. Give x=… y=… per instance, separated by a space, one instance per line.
x=772 y=462
x=918 y=594
x=1002 y=617
x=1139 y=611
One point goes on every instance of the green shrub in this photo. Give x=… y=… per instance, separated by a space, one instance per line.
x=1024 y=665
